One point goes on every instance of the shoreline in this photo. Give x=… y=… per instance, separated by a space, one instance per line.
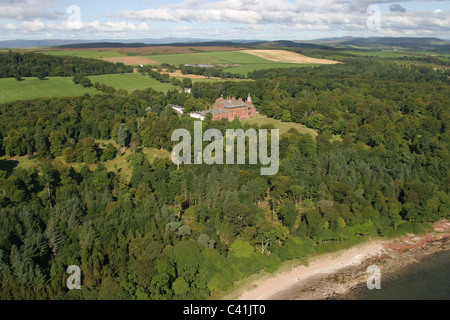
x=332 y=276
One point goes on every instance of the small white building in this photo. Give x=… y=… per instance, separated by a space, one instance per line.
x=178 y=109
x=197 y=115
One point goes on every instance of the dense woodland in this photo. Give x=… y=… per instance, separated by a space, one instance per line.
x=217 y=71
x=29 y=64
x=379 y=167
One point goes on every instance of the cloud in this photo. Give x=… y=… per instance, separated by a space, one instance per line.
x=232 y=19
x=28 y=9
x=319 y=15
x=396 y=8
x=65 y=26
x=233 y=11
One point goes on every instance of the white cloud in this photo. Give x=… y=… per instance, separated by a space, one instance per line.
x=64 y=26
x=27 y=9
x=318 y=15
x=228 y=19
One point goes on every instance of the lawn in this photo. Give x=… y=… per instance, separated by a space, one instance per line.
x=284 y=127
x=131 y=82
x=9 y=164
x=32 y=88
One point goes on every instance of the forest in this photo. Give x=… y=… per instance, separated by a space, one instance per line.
x=29 y=64
x=378 y=168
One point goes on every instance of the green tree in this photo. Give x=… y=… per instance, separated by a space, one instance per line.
x=122 y=135
x=180 y=287
x=286 y=117
x=109 y=153
x=288 y=214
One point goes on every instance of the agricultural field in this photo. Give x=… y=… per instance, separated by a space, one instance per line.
x=284 y=127
x=32 y=88
x=100 y=53
x=287 y=56
x=396 y=54
x=131 y=82
x=203 y=58
x=245 y=69
x=93 y=54
x=236 y=60
x=195 y=80
x=243 y=61
x=131 y=61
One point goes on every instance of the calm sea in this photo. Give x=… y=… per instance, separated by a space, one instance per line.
x=427 y=280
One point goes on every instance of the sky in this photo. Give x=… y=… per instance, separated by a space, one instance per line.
x=222 y=19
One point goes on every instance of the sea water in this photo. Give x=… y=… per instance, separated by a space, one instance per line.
x=429 y=279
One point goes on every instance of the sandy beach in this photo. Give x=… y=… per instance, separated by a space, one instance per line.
x=331 y=275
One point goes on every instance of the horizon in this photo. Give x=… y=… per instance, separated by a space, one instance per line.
x=42 y=43
x=223 y=20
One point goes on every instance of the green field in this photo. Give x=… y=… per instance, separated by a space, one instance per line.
x=395 y=54
x=217 y=80
x=131 y=82
x=284 y=127
x=220 y=57
x=245 y=69
x=94 y=54
x=32 y=88
x=246 y=62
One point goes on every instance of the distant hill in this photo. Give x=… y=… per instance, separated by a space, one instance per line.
x=141 y=45
x=258 y=44
x=419 y=44
x=378 y=43
x=20 y=43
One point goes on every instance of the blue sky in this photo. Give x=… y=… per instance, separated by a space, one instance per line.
x=221 y=19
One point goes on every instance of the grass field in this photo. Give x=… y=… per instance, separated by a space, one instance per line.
x=395 y=54
x=9 y=164
x=240 y=62
x=284 y=127
x=245 y=69
x=32 y=88
x=94 y=54
x=217 y=80
x=203 y=58
x=131 y=82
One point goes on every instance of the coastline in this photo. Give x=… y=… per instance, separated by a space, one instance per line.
x=332 y=276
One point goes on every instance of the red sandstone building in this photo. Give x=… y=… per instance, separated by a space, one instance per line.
x=230 y=109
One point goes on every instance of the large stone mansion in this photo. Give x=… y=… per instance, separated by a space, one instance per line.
x=229 y=108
